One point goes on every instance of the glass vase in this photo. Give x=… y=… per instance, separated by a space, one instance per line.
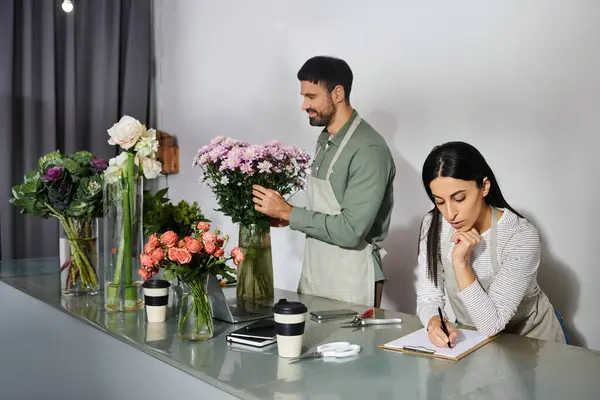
x=86 y=307
x=195 y=318
x=255 y=273
x=123 y=203
x=130 y=325
x=78 y=256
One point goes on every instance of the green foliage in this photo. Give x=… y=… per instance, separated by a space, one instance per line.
x=160 y=215
x=235 y=196
x=153 y=215
x=62 y=184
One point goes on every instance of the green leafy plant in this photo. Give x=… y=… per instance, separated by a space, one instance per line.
x=160 y=215
x=62 y=186
x=153 y=215
x=68 y=188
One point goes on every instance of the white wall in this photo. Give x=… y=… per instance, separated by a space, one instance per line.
x=518 y=79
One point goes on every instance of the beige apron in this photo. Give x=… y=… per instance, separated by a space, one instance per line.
x=329 y=270
x=534 y=317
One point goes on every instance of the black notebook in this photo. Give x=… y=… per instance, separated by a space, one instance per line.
x=261 y=329
x=244 y=348
x=249 y=341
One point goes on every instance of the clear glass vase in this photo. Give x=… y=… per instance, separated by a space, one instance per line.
x=78 y=256
x=130 y=325
x=195 y=318
x=123 y=204
x=255 y=273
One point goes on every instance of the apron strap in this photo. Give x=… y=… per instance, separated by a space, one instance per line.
x=378 y=247
x=349 y=134
x=446 y=246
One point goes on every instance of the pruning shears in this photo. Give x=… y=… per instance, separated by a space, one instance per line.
x=366 y=319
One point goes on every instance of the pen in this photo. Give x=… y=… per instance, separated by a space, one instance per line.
x=418 y=349
x=444 y=327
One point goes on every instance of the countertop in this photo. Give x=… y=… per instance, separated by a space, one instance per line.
x=510 y=367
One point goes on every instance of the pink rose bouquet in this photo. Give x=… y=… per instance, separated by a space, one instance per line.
x=191 y=259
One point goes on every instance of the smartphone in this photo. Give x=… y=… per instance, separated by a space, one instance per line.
x=326 y=314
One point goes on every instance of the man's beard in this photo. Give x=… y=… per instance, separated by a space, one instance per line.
x=322 y=118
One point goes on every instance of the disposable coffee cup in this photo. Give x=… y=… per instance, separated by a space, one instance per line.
x=290 y=318
x=156 y=297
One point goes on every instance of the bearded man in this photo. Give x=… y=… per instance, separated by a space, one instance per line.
x=350 y=192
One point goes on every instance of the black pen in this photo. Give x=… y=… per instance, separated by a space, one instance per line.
x=419 y=349
x=444 y=327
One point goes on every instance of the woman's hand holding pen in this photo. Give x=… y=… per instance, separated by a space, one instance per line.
x=437 y=335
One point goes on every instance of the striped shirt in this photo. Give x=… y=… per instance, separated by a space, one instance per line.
x=518 y=251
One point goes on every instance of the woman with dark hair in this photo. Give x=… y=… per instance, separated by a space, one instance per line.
x=477 y=248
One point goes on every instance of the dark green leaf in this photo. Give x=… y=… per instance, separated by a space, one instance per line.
x=168 y=274
x=73 y=166
x=83 y=157
x=161 y=194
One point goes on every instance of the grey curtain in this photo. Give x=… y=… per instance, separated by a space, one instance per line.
x=64 y=80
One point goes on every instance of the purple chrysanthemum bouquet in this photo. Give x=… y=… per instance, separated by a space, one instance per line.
x=230 y=167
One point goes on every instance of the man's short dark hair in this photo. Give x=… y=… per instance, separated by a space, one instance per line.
x=329 y=71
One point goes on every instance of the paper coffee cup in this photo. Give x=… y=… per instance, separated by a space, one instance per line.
x=290 y=320
x=156 y=297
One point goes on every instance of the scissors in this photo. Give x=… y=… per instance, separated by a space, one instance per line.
x=336 y=349
x=358 y=322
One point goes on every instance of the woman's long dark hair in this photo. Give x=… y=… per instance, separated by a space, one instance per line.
x=457 y=160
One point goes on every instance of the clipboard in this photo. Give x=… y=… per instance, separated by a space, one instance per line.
x=418 y=343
